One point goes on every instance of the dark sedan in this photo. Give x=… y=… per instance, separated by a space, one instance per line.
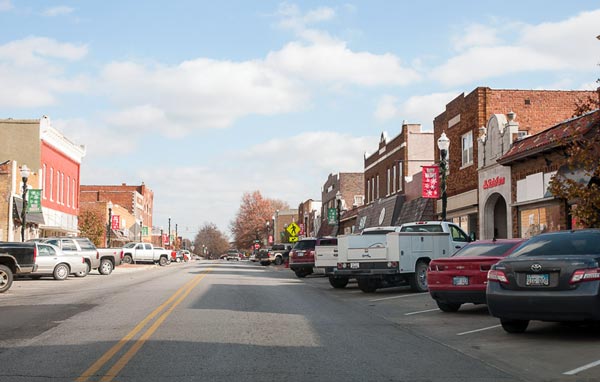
x=552 y=277
x=462 y=278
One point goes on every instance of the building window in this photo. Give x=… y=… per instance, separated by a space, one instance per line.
x=62 y=188
x=400 y=175
x=358 y=200
x=73 y=195
x=377 y=187
x=51 y=183
x=68 y=191
x=372 y=189
x=467 y=149
x=57 y=187
x=389 y=178
x=44 y=173
x=368 y=190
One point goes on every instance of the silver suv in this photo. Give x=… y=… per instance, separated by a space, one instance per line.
x=81 y=246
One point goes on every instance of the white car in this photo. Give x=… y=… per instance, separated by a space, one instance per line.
x=52 y=261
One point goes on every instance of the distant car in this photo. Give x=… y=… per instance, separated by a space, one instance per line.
x=177 y=256
x=52 y=261
x=253 y=257
x=551 y=277
x=233 y=254
x=462 y=278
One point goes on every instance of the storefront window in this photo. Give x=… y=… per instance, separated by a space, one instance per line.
x=534 y=221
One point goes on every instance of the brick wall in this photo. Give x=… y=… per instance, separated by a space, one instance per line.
x=123 y=195
x=5 y=199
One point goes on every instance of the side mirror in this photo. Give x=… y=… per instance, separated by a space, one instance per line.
x=472 y=236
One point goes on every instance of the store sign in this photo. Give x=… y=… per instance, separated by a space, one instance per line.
x=115 y=222
x=34 y=201
x=144 y=230
x=431 y=182
x=494 y=182
x=332 y=215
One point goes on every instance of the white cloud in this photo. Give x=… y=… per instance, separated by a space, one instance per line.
x=5 y=5
x=476 y=35
x=386 y=108
x=36 y=51
x=420 y=109
x=58 y=11
x=568 y=44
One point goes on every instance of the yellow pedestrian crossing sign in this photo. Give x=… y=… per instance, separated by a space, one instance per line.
x=293 y=239
x=293 y=229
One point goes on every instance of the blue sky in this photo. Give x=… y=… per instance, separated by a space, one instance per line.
x=204 y=101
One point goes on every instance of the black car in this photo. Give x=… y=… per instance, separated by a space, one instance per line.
x=551 y=277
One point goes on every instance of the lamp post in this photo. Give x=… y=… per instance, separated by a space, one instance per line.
x=162 y=239
x=109 y=225
x=176 y=237
x=141 y=225
x=268 y=230
x=443 y=144
x=338 y=205
x=24 y=175
x=169 y=232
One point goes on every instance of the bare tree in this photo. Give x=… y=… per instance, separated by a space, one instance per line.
x=211 y=240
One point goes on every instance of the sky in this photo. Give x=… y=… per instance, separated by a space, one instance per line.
x=206 y=100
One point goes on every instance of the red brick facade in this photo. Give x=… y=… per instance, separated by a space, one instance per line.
x=60 y=182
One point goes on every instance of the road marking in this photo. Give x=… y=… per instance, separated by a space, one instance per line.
x=478 y=330
x=186 y=289
x=421 y=311
x=402 y=296
x=582 y=368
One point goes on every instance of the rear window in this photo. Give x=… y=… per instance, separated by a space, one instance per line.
x=129 y=245
x=422 y=228
x=305 y=244
x=86 y=244
x=484 y=249
x=278 y=247
x=378 y=232
x=561 y=244
x=327 y=242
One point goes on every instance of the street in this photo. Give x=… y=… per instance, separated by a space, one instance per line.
x=228 y=321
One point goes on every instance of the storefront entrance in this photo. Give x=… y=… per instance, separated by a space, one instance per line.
x=496 y=217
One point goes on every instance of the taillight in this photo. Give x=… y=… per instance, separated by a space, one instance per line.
x=339 y=265
x=310 y=252
x=122 y=255
x=592 y=274
x=392 y=264
x=499 y=276
x=97 y=255
x=83 y=260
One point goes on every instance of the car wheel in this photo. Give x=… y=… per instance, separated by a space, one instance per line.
x=106 y=267
x=264 y=263
x=300 y=273
x=84 y=273
x=448 y=306
x=514 y=326
x=278 y=260
x=6 y=278
x=61 y=272
x=418 y=282
x=127 y=259
x=178 y=260
x=368 y=285
x=338 y=282
x=163 y=261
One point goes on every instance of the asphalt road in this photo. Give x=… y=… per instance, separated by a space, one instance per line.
x=220 y=321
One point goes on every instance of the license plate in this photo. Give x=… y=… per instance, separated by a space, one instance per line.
x=300 y=254
x=354 y=265
x=460 y=280
x=537 y=280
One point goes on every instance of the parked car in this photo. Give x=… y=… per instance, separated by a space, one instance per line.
x=302 y=257
x=15 y=259
x=233 y=254
x=462 y=278
x=551 y=277
x=52 y=261
x=81 y=246
x=145 y=252
x=254 y=256
x=177 y=256
x=277 y=254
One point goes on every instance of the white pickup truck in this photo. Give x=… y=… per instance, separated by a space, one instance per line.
x=400 y=257
x=144 y=252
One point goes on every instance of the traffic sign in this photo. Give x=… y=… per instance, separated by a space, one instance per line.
x=293 y=229
x=293 y=239
x=256 y=246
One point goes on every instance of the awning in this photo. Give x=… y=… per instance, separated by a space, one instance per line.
x=31 y=218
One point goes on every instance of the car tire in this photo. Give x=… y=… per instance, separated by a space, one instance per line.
x=300 y=273
x=61 y=272
x=368 y=285
x=127 y=259
x=264 y=263
x=338 y=282
x=178 y=260
x=84 y=273
x=514 y=326
x=6 y=278
x=278 y=260
x=106 y=267
x=418 y=281
x=448 y=307
x=163 y=261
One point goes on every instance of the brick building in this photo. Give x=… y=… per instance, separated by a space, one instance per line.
x=137 y=200
x=389 y=178
x=281 y=219
x=461 y=121
x=350 y=187
x=55 y=163
x=309 y=217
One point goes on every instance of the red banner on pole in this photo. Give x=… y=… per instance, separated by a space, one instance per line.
x=115 y=222
x=165 y=239
x=431 y=182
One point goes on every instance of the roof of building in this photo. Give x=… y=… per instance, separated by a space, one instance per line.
x=555 y=136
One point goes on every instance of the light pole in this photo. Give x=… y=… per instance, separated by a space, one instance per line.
x=24 y=175
x=162 y=238
x=176 y=236
x=338 y=205
x=141 y=225
x=443 y=144
x=169 y=232
x=109 y=225
x=268 y=224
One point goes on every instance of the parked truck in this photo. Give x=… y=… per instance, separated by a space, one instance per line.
x=15 y=259
x=397 y=258
x=145 y=253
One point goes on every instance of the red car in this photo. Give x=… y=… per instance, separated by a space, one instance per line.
x=462 y=278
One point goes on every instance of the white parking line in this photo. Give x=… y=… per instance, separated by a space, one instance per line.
x=404 y=295
x=421 y=311
x=582 y=368
x=479 y=330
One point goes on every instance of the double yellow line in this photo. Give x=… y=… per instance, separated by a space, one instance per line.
x=177 y=297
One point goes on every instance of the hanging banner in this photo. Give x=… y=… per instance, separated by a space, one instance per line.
x=34 y=200
x=165 y=239
x=145 y=230
x=115 y=222
x=431 y=182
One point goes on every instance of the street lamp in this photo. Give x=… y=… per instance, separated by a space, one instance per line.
x=169 y=232
x=24 y=175
x=176 y=237
x=268 y=224
x=141 y=225
x=162 y=239
x=338 y=204
x=443 y=144
x=109 y=226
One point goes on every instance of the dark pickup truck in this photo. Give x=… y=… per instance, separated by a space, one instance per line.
x=15 y=258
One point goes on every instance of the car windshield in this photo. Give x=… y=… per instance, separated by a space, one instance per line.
x=484 y=249
x=561 y=244
x=305 y=244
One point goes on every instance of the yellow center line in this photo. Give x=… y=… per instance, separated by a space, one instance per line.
x=119 y=345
